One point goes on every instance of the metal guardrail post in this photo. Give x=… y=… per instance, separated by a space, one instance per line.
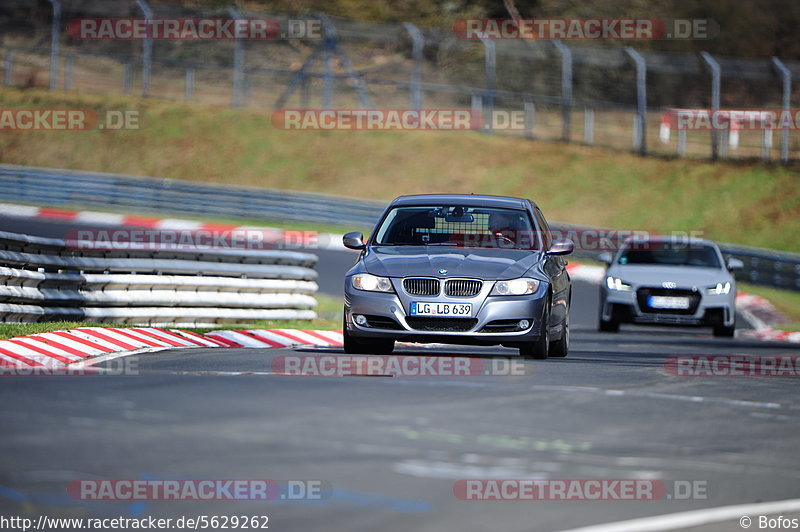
x=127 y=77
x=716 y=75
x=786 y=85
x=641 y=98
x=588 y=126
x=417 y=44
x=636 y=138
x=55 y=32
x=681 y=142
x=766 y=143
x=476 y=105
x=68 y=64
x=246 y=89
x=238 y=65
x=9 y=69
x=490 y=68
x=530 y=118
x=724 y=142
x=147 y=48
x=566 y=88
x=188 y=90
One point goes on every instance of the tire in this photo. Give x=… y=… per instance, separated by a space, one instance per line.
x=357 y=346
x=724 y=332
x=608 y=326
x=538 y=349
x=560 y=348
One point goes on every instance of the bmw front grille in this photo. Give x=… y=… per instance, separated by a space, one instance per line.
x=421 y=286
x=462 y=287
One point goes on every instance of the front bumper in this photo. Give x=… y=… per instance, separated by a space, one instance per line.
x=627 y=307
x=493 y=321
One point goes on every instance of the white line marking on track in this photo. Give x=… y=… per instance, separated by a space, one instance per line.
x=656 y=395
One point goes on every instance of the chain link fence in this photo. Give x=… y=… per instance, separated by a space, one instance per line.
x=602 y=94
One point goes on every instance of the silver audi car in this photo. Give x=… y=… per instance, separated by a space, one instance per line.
x=670 y=281
x=459 y=269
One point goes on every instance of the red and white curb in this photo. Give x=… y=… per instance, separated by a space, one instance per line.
x=277 y=338
x=270 y=235
x=59 y=349
x=757 y=310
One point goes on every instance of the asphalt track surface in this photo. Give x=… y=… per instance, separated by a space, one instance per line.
x=391 y=448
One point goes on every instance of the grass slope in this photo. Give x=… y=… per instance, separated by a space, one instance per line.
x=747 y=203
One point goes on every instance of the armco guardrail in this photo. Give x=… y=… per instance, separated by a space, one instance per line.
x=53 y=187
x=47 y=279
x=46 y=186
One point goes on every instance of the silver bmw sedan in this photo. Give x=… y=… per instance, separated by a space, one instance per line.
x=459 y=269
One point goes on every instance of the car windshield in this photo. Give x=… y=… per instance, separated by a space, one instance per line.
x=454 y=225
x=671 y=254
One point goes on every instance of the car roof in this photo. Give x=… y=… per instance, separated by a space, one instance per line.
x=468 y=200
x=681 y=239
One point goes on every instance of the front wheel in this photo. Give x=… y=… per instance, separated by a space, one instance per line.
x=724 y=332
x=364 y=346
x=608 y=325
x=560 y=348
x=539 y=348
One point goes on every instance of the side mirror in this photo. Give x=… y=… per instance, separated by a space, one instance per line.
x=354 y=240
x=561 y=247
x=606 y=258
x=735 y=264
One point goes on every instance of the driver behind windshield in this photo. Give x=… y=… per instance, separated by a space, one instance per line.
x=457 y=226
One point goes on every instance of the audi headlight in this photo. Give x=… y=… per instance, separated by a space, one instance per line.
x=371 y=283
x=515 y=287
x=615 y=283
x=719 y=288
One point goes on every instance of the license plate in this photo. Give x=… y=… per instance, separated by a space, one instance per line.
x=671 y=302
x=419 y=308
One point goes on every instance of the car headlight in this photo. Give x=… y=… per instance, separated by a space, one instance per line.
x=371 y=283
x=615 y=283
x=515 y=287
x=719 y=288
